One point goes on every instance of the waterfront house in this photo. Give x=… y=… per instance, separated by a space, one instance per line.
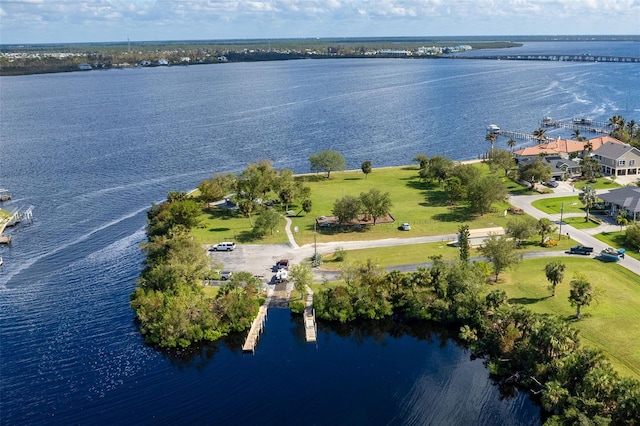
x=625 y=198
x=618 y=159
x=561 y=168
x=565 y=148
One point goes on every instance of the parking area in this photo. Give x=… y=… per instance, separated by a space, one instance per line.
x=257 y=259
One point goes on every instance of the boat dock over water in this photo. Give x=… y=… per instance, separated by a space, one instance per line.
x=257 y=326
x=310 y=327
x=585 y=124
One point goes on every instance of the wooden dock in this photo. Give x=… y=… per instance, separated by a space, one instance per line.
x=257 y=326
x=578 y=124
x=310 y=327
x=521 y=135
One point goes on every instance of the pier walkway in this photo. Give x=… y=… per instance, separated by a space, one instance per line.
x=578 y=124
x=310 y=327
x=258 y=325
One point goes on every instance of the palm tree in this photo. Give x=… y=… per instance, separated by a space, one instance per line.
x=511 y=143
x=491 y=137
x=581 y=293
x=555 y=274
x=544 y=228
x=588 y=197
x=539 y=134
x=588 y=146
x=631 y=127
x=576 y=134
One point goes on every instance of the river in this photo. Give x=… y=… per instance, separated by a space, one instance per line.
x=90 y=151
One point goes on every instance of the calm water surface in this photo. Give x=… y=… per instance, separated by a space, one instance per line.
x=91 y=151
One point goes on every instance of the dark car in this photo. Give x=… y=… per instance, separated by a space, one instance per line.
x=283 y=264
x=552 y=184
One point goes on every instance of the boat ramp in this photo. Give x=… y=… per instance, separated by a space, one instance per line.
x=310 y=327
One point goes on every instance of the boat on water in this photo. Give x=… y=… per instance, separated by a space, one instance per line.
x=493 y=128
x=5 y=195
x=1 y=261
x=611 y=255
x=583 y=121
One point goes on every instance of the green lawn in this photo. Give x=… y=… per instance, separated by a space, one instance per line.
x=601 y=183
x=424 y=206
x=616 y=240
x=612 y=324
x=578 y=222
x=555 y=205
x=219 y=224
x=420 y=253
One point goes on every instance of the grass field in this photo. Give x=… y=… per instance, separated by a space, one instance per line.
x=616 y=240
x=555 y=205
x=612 y=324
x=601 y=183
x=424 y=206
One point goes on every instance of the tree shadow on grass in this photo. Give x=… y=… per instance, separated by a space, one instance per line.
x=455 y=214
x=527 y=300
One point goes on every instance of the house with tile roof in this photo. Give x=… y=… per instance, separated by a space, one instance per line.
x=565 y=148
x=618 y=160
x=625 y=198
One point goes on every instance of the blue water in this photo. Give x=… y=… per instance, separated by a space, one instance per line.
x=91 y=151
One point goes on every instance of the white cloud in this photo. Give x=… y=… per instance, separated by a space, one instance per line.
x=304 y=18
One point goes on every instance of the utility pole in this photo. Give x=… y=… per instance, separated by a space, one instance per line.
x=560 y=228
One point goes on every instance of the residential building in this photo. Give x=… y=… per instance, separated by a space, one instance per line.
x=565 y=148
x=561 y=168
x=618 y=159
x=625 y=198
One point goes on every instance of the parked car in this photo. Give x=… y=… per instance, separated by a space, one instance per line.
x=225 y=275
x=282 y=264
x=225 y=246
x=405 y=226
x=552 y=184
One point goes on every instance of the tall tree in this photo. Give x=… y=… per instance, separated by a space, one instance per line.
x=366 y=168
x=544 y=228
x=375 y=203
x=484 y=192
x=256 y=180
x=511 y=143
x=581 y=293
x=540 y=134
x=521 y=228
x=422 y=160
x=346 y=208
x=302 y=276
x=491 y=138
x=589 y=166
x=464 y=241
x=588 y=197
x=455 y=190
x=555 y=274
x=499 y=159
x=327 y=161
x=535 y=171
x=501 y=252
x=267 y=220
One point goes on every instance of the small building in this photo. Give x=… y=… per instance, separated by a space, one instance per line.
x=618 y=159
x=625 y=198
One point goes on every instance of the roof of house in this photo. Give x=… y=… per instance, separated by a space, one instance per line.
x=565 y=146
x=627 y=197
x=614 y=151
x=557 y=163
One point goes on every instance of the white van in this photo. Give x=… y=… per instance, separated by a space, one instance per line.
x=225 y=246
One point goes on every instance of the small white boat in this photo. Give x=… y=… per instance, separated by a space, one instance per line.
x=493 y=128
x=1 y=261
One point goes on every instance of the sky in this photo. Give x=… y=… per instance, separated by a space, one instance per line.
x=68 y=21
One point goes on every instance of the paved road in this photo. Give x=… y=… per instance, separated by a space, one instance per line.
x=261 y=259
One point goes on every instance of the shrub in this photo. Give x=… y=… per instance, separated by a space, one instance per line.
x=550 y=243
x=339 y=254
x=296 y=307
